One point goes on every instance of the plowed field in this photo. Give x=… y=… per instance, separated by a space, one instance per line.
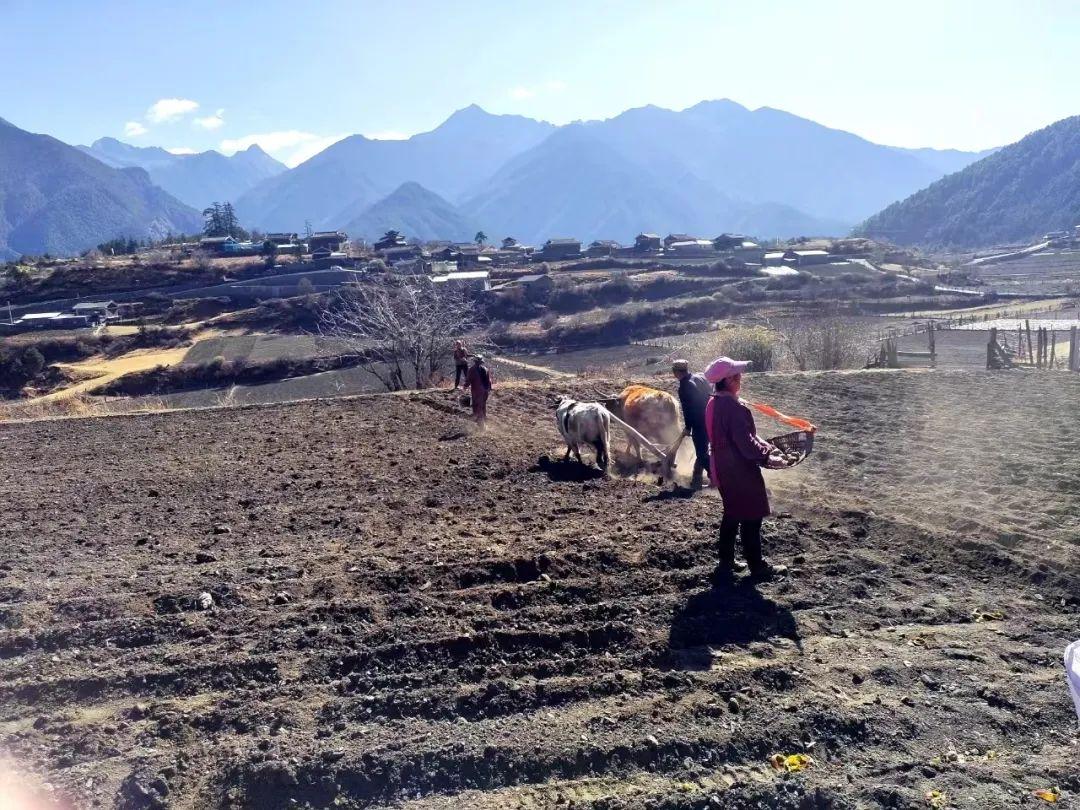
x=361 y=603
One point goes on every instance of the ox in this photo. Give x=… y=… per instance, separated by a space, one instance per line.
x=584 y=423
x=651 y=412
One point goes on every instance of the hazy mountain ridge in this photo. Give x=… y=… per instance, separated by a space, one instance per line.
x=412 y=210
x=1019 y=192
x=712 y=166
x=465 y=149
x=198 y=179
x=56 y=199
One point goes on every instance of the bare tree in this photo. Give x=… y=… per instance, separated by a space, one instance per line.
x=825 y=343
x=403 y=333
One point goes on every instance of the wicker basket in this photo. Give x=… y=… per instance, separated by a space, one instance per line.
x=800 y=443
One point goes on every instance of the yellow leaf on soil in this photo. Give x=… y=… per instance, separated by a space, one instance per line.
x=1050 y=795
x=792 y=763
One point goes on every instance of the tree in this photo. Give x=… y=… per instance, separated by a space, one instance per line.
x=480 y=238
x=402 y=333
x=269 y=252
x=220 y=220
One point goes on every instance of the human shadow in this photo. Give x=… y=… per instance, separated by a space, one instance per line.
x=731 y=612
x=566 y=471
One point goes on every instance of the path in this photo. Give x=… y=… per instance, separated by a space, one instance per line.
x=530 y=367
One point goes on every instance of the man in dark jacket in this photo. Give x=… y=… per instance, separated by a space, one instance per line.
x=694 y=393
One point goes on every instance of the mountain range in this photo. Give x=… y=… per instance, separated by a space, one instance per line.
x=1015 y=195
x=199 y=179
x=715 y=166
x=56 y=199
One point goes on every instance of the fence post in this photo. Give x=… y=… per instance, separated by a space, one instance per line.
x=1072 y=349
x=932 y=340
x=1053 y=349
x=1031 y=352
x=991 y=356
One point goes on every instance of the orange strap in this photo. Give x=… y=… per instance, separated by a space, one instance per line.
x=794 y=421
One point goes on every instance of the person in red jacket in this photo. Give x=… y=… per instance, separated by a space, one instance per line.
x=479 y=381
x=736 y=457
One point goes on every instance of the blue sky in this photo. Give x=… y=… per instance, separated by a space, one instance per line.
x=295 y=76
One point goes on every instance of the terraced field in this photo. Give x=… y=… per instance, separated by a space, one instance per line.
x=361 y=603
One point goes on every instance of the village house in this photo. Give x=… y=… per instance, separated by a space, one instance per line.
x=50 y=320
x=538 y=286
x=97 y=311
x=729 y=241
x=559 y=249
x=471 y=281
x=390 y=240
x=647 y=243
x=403 y=253
x=219 y=244
x=672 y=238
x=281 y=239
x=690 y=248
x=327 y=240
x=602 y=247
x=803 y=258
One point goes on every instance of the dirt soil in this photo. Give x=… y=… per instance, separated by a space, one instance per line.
x=361 y=603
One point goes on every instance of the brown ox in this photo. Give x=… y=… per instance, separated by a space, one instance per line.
x=651 y=412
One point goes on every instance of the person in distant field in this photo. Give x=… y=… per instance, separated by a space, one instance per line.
x=461 y=363
x=479 y=381
x=737 y=456
x=694 y=393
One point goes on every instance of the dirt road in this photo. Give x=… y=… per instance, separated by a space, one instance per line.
x=359 y=603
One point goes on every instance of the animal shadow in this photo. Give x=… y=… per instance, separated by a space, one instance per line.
x=566 y=471
x=733 y=612
x=677 y=493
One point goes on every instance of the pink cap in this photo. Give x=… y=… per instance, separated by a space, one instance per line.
x=723 y=367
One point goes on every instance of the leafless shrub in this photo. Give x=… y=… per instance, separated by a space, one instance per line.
x=755 y=343
x=825 y=343
x=403 y=332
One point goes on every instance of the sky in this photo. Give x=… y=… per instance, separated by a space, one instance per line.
x=294 y=77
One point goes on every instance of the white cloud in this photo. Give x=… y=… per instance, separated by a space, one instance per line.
x=291 y=146
x=180 y=150
x=521 y=93
x=387 y=135
x=555 y=86
x=165 y=110
x=133 y=129
x=215 y=121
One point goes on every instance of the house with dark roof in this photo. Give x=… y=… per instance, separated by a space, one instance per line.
x=96 y=310
x=280 y=239
x=602 y=247
x=559 y=249
x=647 y=243
x=327 y=240
x=672 y=238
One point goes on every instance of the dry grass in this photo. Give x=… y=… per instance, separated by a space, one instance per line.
x=77 y=406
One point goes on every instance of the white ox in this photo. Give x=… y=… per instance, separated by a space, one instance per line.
x=584 y=423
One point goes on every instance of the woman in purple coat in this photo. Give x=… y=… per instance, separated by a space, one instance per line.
x=737 y=455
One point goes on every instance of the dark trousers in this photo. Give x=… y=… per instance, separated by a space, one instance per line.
x=460 y=372
x=701 y=451
x=750 y=532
